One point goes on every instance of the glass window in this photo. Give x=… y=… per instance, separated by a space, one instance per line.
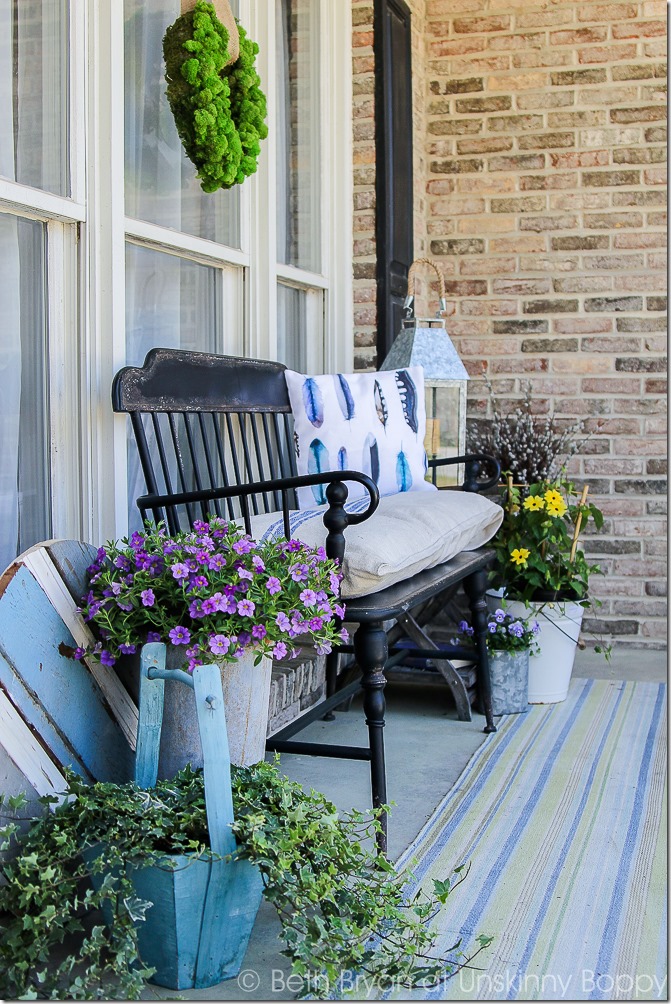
x=24 y=440
x=298 y=134
x=172 y=303
x=161 y=182
x=34 y=69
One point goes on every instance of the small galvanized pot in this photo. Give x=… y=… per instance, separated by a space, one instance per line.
x=509 y=674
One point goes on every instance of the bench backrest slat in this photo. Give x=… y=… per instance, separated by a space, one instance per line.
x=207 y=421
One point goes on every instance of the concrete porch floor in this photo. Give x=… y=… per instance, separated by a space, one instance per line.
x=427 y=749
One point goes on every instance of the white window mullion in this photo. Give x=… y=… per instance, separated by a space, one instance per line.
x=261 y=333
x=64 y=380
x=105 y=328
x=337 y=183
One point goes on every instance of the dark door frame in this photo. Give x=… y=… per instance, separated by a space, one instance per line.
x=393 y=165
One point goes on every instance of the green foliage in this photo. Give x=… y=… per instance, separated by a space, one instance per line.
x=219 y=110
x=341 y=907
x=536 y=557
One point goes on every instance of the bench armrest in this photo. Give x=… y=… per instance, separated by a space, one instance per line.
x=336 y=518
x=474 y=463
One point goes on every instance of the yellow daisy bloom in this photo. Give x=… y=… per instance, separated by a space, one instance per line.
x=552 y=496
x=556 y=508
x=534 y=502
x=519 y=555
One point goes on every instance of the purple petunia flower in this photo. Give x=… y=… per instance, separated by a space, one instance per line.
x=309 y=597
x=323 y=647
x=216 y=562
x=180 y=635
x=245 y=573
x=147 y=597
x=180 y=570
x=273 y=585
x=316 y=623
x=298 y=573
x=106 y=658
x=153 y=636
x=243 y=546
x=335 y=583
x=259 y=632
x=79 y=653
x=258 y=564
x=344 y=634
x=127 y=649
x=283 y=622
x=339 y=610
x=280 y=650
x=246 y=608
x=219 y=644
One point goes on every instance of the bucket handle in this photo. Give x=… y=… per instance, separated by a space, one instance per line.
x=206 y=684
x=408 y=305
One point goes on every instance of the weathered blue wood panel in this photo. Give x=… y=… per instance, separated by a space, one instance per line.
x=36 y=718
x=31 y=633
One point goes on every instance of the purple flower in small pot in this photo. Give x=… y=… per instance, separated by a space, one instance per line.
x=499 y=615
x=219 y=644
x=180 y=570
x=246 y=608
x=492 y=627
x=148 y=598
x=273 y=585
x=516 y=629
x=179 y=635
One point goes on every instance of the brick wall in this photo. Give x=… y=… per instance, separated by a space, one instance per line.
x=540 y=156
x=546 y=199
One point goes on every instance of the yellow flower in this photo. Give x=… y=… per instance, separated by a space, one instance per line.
x=534 y=502
x=557 y=508
x=519 y=555
x=553 y=497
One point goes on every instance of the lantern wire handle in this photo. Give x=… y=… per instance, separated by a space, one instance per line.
x=410 y=298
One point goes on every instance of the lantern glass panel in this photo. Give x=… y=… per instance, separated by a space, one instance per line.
x=443 y=428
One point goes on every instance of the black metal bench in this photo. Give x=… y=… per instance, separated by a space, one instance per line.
x=214 y=434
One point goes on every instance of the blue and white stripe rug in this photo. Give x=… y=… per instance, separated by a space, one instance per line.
x=562 y=818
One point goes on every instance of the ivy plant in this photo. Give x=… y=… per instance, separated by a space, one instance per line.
x=341 y=906
x=219 y=109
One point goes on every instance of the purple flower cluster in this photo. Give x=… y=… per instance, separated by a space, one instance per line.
x=214 y=591
x=506 y=633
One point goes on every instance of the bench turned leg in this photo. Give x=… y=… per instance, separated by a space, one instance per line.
x=475 y=586
x=371 y=649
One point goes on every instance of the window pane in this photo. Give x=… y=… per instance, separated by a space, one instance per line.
x=161 y=183
x=292 y=328
x=170 y=303
x=25 y=510
x=34 y=70
x=298 y=134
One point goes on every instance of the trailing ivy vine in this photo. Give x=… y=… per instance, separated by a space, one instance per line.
x=341 y=907
x=219 y=110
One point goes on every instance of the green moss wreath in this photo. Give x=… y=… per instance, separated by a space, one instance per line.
x=219 y=110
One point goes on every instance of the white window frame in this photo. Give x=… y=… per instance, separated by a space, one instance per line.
x=87 y=235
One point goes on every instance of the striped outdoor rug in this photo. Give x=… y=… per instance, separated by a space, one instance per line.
x=562 y=816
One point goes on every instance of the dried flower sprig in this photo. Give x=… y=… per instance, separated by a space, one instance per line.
x=532 y=447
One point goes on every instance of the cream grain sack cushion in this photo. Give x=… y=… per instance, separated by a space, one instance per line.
x=406 y=534
x=369 y=422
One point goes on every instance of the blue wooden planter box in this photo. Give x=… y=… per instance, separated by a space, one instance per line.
x=197 y=931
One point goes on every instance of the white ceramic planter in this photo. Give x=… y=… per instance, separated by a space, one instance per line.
x=246 y=699
x=549 y=671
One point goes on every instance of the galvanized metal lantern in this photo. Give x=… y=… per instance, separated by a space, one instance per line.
x=425 y=342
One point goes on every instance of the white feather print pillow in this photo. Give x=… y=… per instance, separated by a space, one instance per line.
x=370 y=422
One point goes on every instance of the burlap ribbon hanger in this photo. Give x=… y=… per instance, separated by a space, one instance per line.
x=222 y=9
